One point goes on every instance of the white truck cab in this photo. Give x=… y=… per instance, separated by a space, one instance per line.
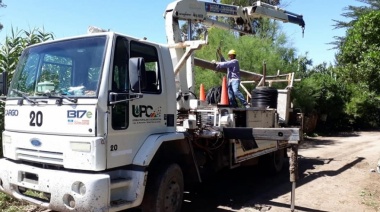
x=70 y=108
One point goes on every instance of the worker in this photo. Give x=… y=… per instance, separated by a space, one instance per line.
x=233 y=77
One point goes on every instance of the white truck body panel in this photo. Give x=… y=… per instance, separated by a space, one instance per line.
x=147 y=116
x=71 y=152
x=151 y=145
x=67 y=119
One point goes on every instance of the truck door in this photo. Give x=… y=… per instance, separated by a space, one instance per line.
x=131 y=122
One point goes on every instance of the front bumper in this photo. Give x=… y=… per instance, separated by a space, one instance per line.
x=69 y=190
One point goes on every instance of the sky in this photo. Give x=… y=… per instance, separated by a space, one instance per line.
x=144 y=18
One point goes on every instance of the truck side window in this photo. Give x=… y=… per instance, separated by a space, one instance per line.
x=119 y=83
x=150 y=55
x=120 y=64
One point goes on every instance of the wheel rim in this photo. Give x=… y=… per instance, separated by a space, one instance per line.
x=172 y=196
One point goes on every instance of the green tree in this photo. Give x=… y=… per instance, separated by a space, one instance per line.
x=353 y=13
x=10 y=52
x=359 y=58
x=303 y=63
x=320 y=93
x=362 y=108
x=358 y=65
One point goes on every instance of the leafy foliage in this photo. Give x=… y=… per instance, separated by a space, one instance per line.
x=303 y=63
x=320 y=93
x=353 y=13
x=359 y=57
x=15 y=43
x=359 y=62
x=363 y=107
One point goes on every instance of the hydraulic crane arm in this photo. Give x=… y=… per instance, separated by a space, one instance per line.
x=260 y=9
x=199 y=11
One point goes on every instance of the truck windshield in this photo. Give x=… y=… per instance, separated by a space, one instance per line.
x=70 y=67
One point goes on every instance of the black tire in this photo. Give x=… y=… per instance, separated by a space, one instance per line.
x=273 y=163
x=164 y=190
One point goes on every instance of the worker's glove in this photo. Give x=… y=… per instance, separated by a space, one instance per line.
x=213 y=62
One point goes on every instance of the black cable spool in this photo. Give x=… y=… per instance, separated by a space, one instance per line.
x=263 y=97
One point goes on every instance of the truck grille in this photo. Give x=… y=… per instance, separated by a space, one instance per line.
x=40 y=156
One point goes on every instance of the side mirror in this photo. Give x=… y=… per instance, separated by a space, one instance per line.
x=137 y=76
x=3 y=83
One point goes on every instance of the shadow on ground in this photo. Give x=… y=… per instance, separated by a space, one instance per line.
x=251 y=187
x=311 y=142
x=315 y=143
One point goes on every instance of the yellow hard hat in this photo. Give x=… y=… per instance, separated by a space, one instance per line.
x=232 y=52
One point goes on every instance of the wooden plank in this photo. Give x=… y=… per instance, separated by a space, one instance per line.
x=247 y=75
x=246 y=90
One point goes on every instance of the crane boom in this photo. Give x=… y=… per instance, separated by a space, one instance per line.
x=260 y=9
x=199 y=11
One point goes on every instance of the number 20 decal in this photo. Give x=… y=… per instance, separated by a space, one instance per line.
x=35 y=118
x=113 y=147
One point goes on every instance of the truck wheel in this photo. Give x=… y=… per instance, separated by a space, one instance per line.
x=274 y=162
x=164 y=190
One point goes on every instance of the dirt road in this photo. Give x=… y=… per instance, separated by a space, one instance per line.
x=335 y=175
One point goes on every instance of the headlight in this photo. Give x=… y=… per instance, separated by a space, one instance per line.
x=80 y=146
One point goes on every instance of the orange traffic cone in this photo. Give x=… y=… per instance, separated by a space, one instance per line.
x=202 y=95
x=224 y=96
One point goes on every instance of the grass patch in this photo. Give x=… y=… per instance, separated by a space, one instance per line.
x=36 y=194
x=9 y=204
x=371 y=198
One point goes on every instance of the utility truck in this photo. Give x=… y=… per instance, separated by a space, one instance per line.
x=108 y=122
